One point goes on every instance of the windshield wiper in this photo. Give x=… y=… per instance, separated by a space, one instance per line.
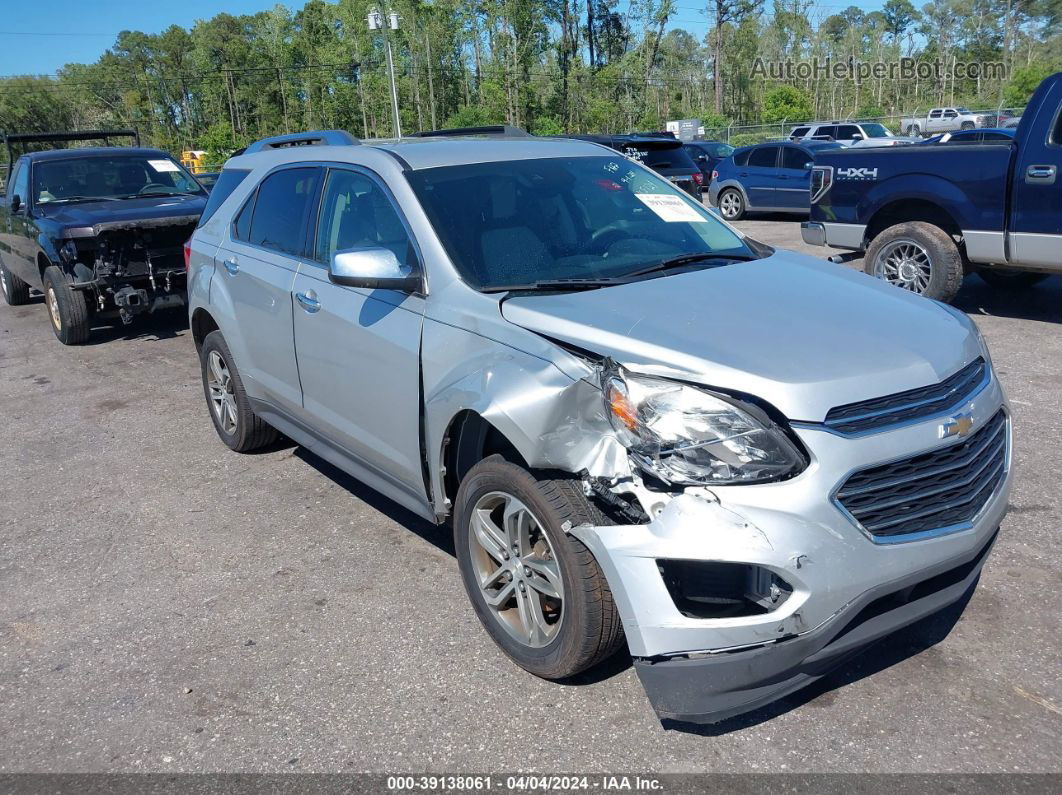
x=689 y=259
x=155 y=193
x=559 y=285
x=80 y=199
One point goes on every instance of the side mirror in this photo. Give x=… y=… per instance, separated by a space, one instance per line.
x=372 y=269
x=857 y=137
x=16 y=202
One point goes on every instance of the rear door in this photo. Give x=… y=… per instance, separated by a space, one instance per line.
x=1036 y=203
x=359 y=349
x=935 y=122
x=760 y=177
x=794 y=175
x=256 y=267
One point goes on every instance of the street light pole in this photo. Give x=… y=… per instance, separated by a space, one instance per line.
x=375 y=21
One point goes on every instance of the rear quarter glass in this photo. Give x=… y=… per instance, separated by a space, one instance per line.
x=223 y=188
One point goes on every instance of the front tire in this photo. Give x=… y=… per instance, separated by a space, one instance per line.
x=919 y=257
x=967 y=125
x=537 y=590
x=1011 y=280
x=67 y=308
x=732 y=204
x=236 y=424
x=16 y=291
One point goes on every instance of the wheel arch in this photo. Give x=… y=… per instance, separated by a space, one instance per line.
x=202 y=324
x=902 y=211
x=470 y=438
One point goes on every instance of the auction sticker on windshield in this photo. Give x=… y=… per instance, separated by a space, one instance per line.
x=163 y=165
x=670 y=208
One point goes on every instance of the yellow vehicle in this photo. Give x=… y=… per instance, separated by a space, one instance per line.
x=194 y=160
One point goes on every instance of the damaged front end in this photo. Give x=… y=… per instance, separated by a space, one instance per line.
x=736 y=577
x=130 y=267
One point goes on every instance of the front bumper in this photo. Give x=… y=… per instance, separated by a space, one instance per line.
x=794 y=530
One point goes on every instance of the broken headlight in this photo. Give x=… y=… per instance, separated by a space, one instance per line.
x=686 y=436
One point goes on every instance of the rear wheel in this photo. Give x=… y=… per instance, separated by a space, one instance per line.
x=732 y=204
x=16 y=291
x=1011 y=280
x=916 y=130
x=67 y=308
x=919 y=257
x=237 y=425
x=537 y=590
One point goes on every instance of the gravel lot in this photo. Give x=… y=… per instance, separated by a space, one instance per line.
x=168 y=605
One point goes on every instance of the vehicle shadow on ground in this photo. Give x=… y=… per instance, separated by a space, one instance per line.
x=439 y=536
x=1042 y=301
x=889 y=651
x=164 y=325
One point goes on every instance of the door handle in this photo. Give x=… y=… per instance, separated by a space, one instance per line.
x=309 y=301
x=1044 y=175
x=232 y=266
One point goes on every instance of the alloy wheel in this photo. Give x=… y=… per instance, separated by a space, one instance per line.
x=730 y=204
x=517 y=571
x=222 y=398
x=3 y=281
x=53 y=308
x=905 y=264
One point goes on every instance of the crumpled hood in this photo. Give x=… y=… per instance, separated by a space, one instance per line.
x=101 y=215
x=801 y=333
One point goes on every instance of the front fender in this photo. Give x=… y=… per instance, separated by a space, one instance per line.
x=553 y=420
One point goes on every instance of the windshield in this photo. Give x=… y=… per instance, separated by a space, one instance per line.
x=110 y=177
x=523 y=221
x=876 y=131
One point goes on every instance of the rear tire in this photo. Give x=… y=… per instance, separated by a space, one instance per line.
x=1011 y=280
x=731 y=204
x=237 y=425
x=502 y=564
x=916 y=131
x=919 y=257
x=67 y=308
x=16 y=291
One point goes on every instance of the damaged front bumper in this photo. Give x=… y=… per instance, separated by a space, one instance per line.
x=840 y=589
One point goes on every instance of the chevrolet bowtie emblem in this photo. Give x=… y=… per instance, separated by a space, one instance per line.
x=959 y=425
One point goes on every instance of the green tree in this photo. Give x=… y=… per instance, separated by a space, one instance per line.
x=786 y=103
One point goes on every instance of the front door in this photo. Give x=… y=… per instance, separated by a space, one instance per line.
x=794 y=179
x=359 y=350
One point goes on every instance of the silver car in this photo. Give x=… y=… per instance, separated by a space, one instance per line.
x=647 y=430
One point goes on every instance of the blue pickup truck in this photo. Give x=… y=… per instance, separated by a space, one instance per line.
x=928 y=215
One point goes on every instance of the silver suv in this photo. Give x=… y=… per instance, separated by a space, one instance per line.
x=850 y=133
x=646 y=429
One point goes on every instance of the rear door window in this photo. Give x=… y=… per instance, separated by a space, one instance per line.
x=795 y=157
x=799 y=132
x=284 y=200
x=223 y=188
x=846 y=132
x=765 y=157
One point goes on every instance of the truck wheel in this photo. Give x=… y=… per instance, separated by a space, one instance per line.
x=916 y=130
x=16 y=291
x=67 y=308
x=239 y=428
x=967 y=125
x=1011 y=280
x=732 y=204
x=919 y=257
x=537 y=590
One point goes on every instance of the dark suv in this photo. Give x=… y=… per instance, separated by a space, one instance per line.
x=96 y=229
x=664 y=154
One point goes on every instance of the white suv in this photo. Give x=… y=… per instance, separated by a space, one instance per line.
x=849 y=133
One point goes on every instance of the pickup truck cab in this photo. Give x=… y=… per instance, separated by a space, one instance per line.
x=928 y=215
x=941 y=120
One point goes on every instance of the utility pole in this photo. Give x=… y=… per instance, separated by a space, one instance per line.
x=375 y=21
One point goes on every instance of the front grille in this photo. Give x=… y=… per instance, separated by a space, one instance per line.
x=930 y=491
x=914 y=404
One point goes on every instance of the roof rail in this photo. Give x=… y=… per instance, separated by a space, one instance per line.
x=506 y=130
x=309 y=138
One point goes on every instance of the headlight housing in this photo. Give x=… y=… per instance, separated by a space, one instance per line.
x=687 y=436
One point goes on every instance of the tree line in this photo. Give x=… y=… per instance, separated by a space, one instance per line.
x=549 y=66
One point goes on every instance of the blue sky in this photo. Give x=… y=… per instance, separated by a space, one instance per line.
x=80 y=30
